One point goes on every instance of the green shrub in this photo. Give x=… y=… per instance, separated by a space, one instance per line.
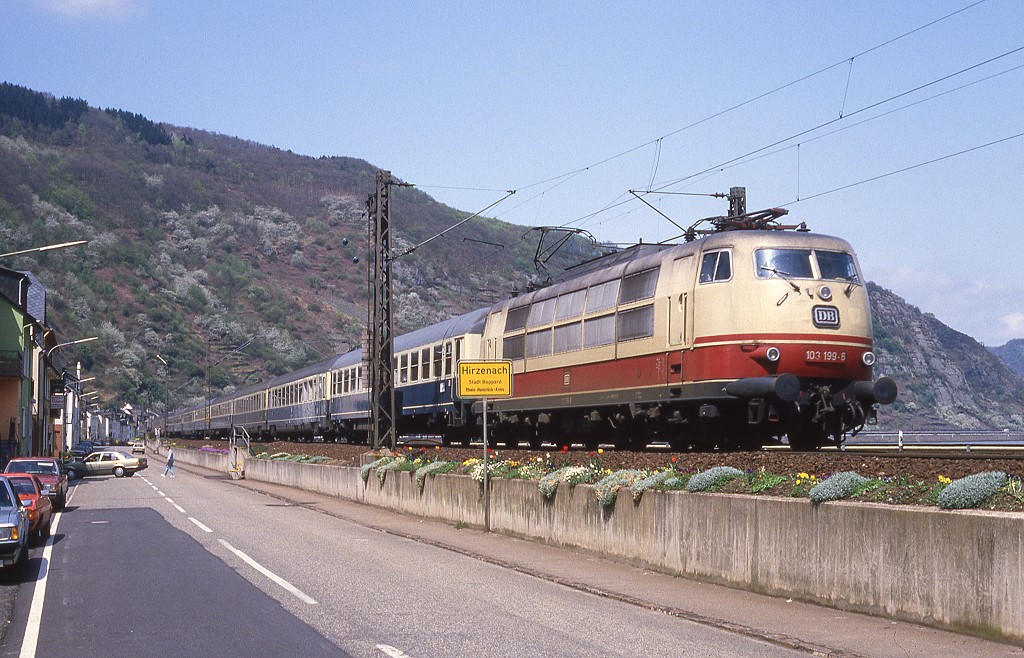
x=837 y=487
x=638 y=488
x=971 y=491
x=609 y=485
x=712 y=477
x=548 y=484
x=364 y=470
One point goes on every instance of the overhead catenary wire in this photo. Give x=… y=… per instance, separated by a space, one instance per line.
x=914 y=166
x=747 y=157
x=754 y=99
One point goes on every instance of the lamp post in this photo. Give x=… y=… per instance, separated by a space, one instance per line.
x=72 y=342
x=163 y=431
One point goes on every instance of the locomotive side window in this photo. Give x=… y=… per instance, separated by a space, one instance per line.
x=602 y=297
x=836 y=265
x=570 y=305
x=635 y=323
x=541 y=313
x=568 y=337
x=638 y=286
x=599 y=331
x=516 y=318
x=538 y=343
x=716 y=266
x=514 y=347
x=794 y=263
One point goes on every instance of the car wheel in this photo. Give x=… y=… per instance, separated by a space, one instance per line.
x=59 y=504
x=119 y=472
x=44 y=532
x=72 y=474
x=21 y=566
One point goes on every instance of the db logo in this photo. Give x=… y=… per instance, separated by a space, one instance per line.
x=825 y=317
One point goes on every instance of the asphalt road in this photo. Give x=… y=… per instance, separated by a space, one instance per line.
x=195 y=566
x=201 y=565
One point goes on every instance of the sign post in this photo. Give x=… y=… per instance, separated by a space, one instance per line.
x=485 y=380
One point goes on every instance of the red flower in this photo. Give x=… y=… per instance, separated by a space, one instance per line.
x=591 y=453
x=673 y=460
x=565 y=448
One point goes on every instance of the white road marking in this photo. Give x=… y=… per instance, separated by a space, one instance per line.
x=35 y=613
x=389 y=650
x=201 y=526
x=270 y=574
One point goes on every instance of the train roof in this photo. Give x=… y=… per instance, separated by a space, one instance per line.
x=302 y=373
x=469 y=323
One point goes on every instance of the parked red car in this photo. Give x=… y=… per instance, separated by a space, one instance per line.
x=50 y=474
x=37 y=504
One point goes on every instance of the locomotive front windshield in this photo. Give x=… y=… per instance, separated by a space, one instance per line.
x=804 y=264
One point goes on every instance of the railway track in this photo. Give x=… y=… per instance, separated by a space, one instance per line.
x=923 y=450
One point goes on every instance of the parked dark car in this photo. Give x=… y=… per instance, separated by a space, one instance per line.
x=14 y=533
x=80 y=450
x=49 y=472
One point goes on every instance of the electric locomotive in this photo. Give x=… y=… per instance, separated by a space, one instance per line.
x=749 y=334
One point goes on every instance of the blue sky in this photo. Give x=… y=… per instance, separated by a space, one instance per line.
x=597 y=98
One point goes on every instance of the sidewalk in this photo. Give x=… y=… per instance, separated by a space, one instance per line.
x=816 y=629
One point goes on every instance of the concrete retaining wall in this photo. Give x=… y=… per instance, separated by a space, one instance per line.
x=958 y=570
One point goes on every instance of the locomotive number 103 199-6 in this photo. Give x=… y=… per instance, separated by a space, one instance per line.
x=826 y=356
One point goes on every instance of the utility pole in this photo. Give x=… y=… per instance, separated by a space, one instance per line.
x=380 y=352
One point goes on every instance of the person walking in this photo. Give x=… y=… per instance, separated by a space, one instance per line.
x=170 y=463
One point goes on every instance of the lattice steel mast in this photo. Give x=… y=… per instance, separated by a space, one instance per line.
x=379 y=351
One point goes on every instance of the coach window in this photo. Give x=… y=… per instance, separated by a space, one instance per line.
x=404 y=369
x=716 y=266
x=425 y=363
x=447 y=359
x=437 y=361
x=414 y=366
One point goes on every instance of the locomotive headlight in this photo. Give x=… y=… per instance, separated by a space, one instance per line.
x=773 y=354
x=868 y=359
x=825 y=293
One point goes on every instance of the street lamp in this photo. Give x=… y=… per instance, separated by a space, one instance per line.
x=73 y=342
x=163 y=432
x=48 y=248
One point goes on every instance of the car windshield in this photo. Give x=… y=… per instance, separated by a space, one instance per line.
x=22 y=485
x=46 y=468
